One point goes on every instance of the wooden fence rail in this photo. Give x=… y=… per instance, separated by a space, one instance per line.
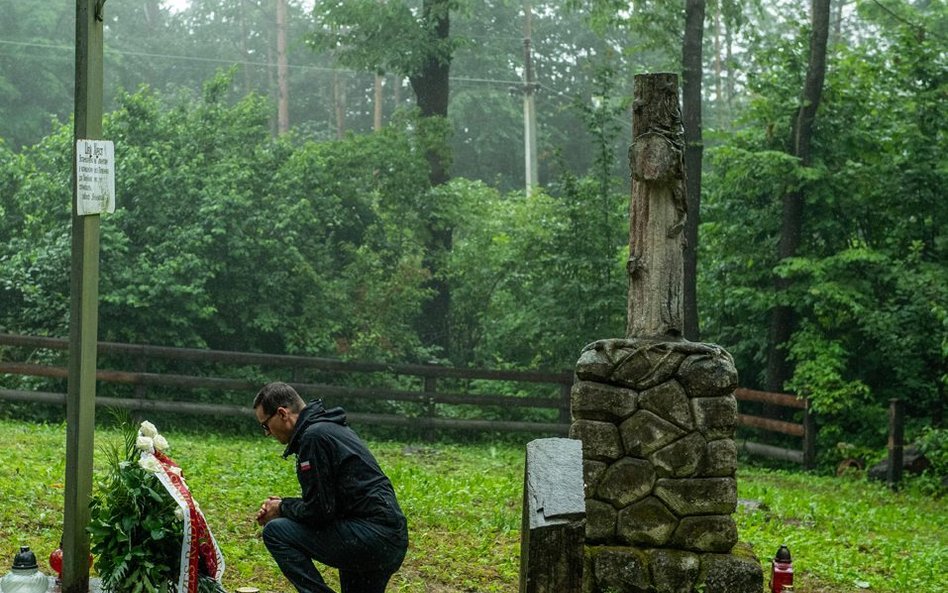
x=429 y=396
x=805 y=430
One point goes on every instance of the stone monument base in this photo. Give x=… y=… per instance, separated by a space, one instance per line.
x=625 y=569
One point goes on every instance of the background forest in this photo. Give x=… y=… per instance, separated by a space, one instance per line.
x=346 y=179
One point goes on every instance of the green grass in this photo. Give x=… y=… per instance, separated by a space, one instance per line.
x=463 y=504
x=847 y=530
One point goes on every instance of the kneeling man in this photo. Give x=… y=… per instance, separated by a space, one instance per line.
x=347 y=516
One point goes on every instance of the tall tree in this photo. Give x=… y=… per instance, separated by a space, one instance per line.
x=782 y=320
x=392 y=37
x=430 y=80
x=692 y=73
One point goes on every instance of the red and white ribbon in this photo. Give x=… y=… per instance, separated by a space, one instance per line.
x=198 y=543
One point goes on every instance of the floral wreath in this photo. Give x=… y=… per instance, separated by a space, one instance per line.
x=135 y=523
x=198 y=543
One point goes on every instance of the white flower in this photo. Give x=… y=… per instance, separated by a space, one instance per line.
x=148 y=429
x=178 y=514
x=145 y=444
x=161 y=443
x=149 y=464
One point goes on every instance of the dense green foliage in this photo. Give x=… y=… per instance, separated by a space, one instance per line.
x=869 y=285
x=226 y=238
x=229 y=239
x=464 y=510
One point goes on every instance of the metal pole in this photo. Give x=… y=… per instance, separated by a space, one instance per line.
x=531 y=176
x=83 y=325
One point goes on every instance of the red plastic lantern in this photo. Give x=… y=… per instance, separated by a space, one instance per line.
x=781 y=572
x=56 y=561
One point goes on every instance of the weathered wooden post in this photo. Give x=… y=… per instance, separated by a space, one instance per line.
x=657 y=210
x=84 y=313
x=809 y=436
x=896 y=438
x=655 y=413
x=552 y=532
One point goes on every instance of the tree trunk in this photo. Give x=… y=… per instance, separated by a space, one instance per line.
x=377 y=112
x=430 y=85
x=692 y=72
x=838 y=23
x=153 y=13
x=729 y=64
x=272 y=84
x=657 y=211
x=339 y=104
x=283 y=102
x=782 y=321
x=718 y=66
x=244 y=54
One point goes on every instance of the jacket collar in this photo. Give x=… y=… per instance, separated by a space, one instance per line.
x=313 y=412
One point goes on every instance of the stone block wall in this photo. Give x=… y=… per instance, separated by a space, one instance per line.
x=656 y=420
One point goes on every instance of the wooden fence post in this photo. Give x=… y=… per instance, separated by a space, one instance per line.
x=809 y=436
x=896 y=431
x=431 y=386
x=553 y=532
x=141 y=390
x=565 y=412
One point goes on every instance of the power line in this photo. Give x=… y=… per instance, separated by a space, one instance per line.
x=905 y=21
x=484 y=80
x=173 y=56
x=239 y=62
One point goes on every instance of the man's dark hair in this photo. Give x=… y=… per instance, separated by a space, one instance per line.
x=278 y=395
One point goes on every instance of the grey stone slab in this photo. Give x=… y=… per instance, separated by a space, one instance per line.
x=554 y=480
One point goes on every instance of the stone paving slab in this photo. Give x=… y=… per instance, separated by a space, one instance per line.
x=95 y=585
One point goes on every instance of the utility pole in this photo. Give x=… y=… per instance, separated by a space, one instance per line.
x=84 y=313
x=531 y=175
x=283 y=103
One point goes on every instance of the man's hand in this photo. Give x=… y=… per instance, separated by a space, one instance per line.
x=270 y=509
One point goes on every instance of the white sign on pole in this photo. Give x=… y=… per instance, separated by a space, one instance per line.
x=95 y=177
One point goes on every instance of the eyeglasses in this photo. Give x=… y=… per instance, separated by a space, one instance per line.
x=265 y=425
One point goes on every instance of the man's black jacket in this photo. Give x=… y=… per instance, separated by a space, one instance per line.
x=339 y=477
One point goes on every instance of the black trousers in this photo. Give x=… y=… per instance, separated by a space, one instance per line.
x=365 y=552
